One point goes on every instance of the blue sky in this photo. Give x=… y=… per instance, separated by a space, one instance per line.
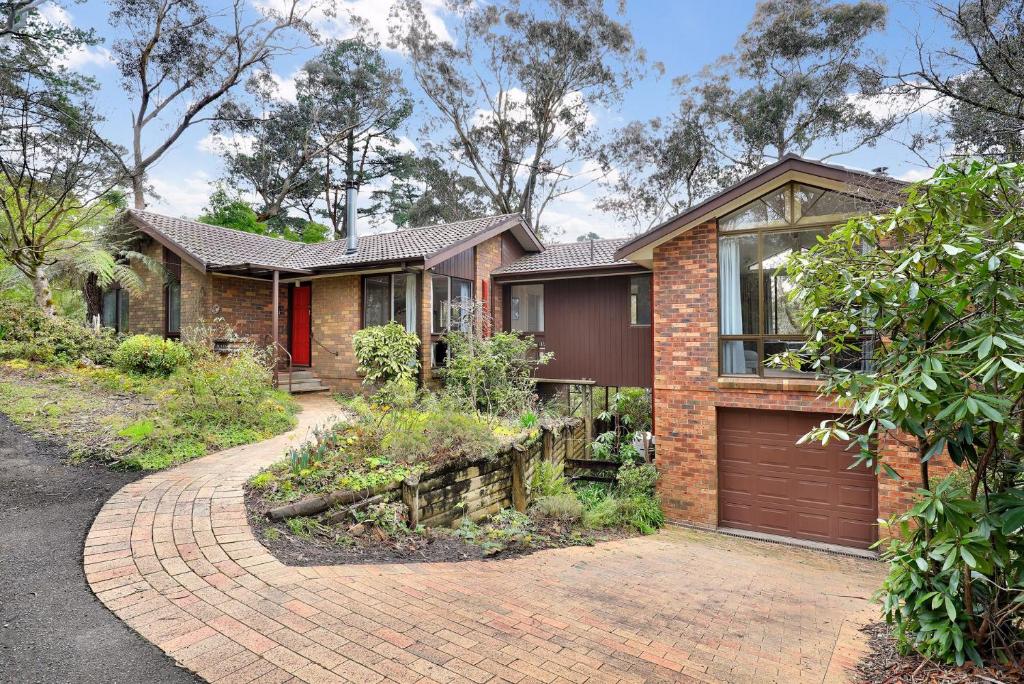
x=682 y=34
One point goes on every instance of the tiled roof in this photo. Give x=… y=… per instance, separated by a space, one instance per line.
x=217 y=246
x=569 y=256
x=411 y=243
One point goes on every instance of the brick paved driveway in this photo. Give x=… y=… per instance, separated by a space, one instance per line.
x=173 y=556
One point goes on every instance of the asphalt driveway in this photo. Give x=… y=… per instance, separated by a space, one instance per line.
x=52 y=627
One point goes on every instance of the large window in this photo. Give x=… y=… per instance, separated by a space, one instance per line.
x=172 y=294
x=640 y=300
x=756 y=317
x=451 y=304
x=114 y=309
x=528 y=308
x=390 y=298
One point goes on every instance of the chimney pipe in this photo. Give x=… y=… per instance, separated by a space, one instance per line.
x=351 y=197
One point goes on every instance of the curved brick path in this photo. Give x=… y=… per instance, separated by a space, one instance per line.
x=173 y=556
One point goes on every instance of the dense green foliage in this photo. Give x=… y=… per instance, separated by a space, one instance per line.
x=150 y=355
x=493 y=374
x=386 y=352
x=936 y=287
x=26 y=332
x=629 y=415
x=382 y=444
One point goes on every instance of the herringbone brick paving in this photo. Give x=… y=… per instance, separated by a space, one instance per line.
x=173 y=556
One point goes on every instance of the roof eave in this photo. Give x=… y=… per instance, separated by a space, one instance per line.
x=596 y=270
x=789 y=163
x=526 y=235
x=161 y=237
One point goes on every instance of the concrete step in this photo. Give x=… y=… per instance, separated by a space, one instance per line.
x=304 y=386
x=298 y=375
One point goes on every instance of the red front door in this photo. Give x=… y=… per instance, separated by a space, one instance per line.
x=301 y=312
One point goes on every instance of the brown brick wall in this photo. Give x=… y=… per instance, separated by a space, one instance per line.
x=688 y=389
x=146 y=312
x=247 y=307
x=488 y=260
x=336 y=316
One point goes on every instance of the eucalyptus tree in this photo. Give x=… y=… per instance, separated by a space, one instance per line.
x=514 y=91
x=916 y=325
x=976 y=82
x=180 y=58
x=341 y=131
x=800 y=77
x=425 y=192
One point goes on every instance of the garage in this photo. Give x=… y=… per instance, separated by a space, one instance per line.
x=769 y=484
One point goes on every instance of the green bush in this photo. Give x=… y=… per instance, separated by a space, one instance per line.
x=549 y=480
x=601 y=513
x=565 y=507
x=643 y=513
x=636 y=480
x=150 y=355
x=493 y=374
x=435 y=432
x=386 y=352
x=27 y=333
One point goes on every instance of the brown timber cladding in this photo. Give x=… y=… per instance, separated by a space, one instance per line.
x=587 y=327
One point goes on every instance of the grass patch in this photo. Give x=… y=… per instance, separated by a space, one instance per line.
x=141 y=422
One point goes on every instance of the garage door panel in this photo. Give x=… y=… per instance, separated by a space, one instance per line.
x=768 y=483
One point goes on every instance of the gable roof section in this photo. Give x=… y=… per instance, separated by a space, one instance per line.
x=569 y=257
x=790 y=167
x=210 y=247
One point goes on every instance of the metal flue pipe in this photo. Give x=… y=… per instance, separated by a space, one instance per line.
x=351 y=197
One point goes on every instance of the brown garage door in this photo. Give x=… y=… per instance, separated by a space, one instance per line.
x=766 y=483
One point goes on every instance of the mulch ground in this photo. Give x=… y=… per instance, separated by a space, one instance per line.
x=52 y=627
x=434 y=545
x=885 y=665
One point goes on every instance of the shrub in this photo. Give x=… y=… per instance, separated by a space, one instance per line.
x=386 y=352
x=642 y=513
x=603 y=513
x=636 y=480
x=234 y=391
x=435 y=432
x=27 y=333
x=549 y=480
x=565 y=507
x=150 y=355
x=493 y=374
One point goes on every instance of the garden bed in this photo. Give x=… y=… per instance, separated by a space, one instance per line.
x=427 y=481
x=885 y=663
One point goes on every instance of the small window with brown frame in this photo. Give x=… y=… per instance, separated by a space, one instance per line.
x=172 y=295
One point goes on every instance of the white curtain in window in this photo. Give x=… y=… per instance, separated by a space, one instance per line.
x=410 y=303
x=730 y=305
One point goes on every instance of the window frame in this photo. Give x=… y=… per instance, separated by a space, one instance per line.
x=446 y=311
x=650 y=300
x=172 y=266
x=391 y=300
x=122 y=307
x=511 y=296
x=825 y=226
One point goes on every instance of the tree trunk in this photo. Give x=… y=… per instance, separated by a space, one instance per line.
x=138 y=189
x=43 y=296
x=92 y=294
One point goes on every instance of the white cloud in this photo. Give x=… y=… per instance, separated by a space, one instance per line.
x=899 y=104
x=915 y=174
x=286 y=89
x=375 y=14
x=81 y=56
x=215 y=143
x=181 y=196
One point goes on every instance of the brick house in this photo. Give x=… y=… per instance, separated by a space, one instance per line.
x=322 y=293
x=726 y=425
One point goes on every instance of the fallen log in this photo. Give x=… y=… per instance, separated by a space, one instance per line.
x=321 y=502
x=340 y=515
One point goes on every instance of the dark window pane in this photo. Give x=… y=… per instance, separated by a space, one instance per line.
x=772 y=347
x=174 y=308
x=737 y=278
x=108 y=309
x=781 y=315
x=739 y=357
x=816 y=204
x=376 y=300
x=439 y=304
x=640 y=300
x=404 y=290
x=122 y=311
